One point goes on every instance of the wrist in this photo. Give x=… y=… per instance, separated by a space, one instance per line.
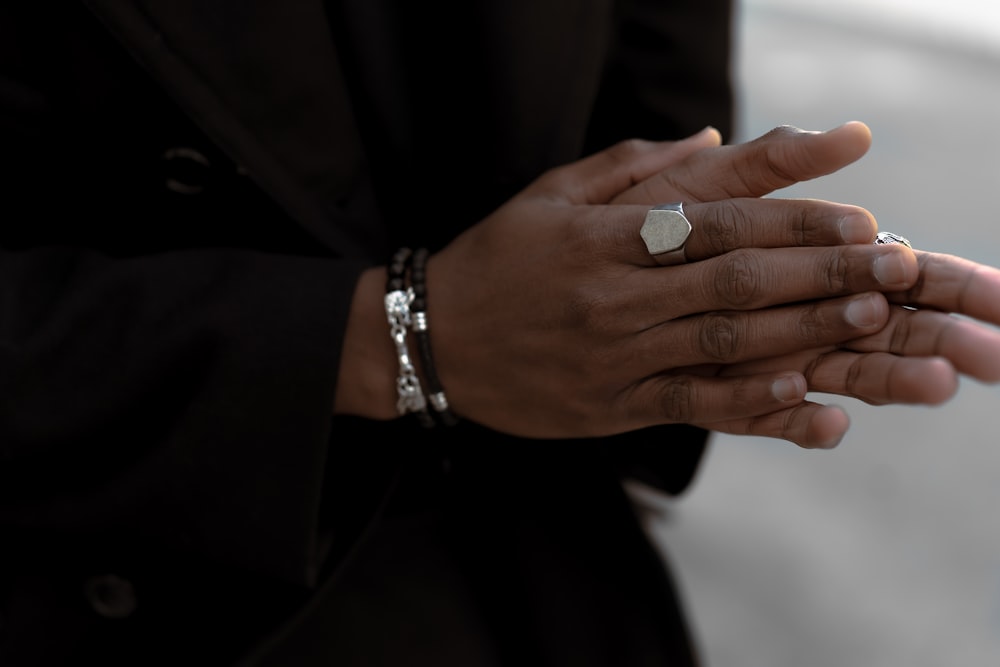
x=366 y=381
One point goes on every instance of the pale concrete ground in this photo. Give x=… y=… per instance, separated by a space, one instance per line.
x=886 y=551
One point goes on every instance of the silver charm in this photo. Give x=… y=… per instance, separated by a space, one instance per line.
x=886 y=238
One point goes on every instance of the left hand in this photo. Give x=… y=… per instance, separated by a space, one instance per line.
x=917 y=358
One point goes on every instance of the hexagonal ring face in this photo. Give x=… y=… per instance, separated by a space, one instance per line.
x=665 y=231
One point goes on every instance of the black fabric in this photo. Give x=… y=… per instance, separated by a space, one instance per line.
x=191 y=194
x=497 y=552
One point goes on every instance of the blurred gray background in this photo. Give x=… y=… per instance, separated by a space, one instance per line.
x=884 y=552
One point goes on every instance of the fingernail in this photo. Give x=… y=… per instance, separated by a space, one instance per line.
x=830 y=443
x=709 y=130
x=856 y=228
x=841 y=126
x=863 y=313
x=789 y=388
x=890 y=269
x=794 y=129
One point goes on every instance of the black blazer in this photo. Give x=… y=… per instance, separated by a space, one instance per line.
x=193 y=189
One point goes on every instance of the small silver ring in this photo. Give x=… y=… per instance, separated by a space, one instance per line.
x=887 y=238
x=665 y=232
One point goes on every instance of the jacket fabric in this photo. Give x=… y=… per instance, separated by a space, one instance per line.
x=192 y=190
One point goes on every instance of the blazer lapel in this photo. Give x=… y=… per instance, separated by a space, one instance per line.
x=262 y=78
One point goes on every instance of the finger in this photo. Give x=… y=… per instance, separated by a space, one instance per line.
x=880 y=378
x=719 y=227
x=597 y=178
x=728 y=337
x=782 y=157
x=685 y=398
x=956 y=285
x=972 y=348
x=751 y=225
x=754 y=279
x=877 y=378
x=808 y=424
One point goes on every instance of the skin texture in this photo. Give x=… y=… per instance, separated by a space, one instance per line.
x=577 y=332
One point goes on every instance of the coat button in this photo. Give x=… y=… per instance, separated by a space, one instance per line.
x=187 y=171
x=110 y=596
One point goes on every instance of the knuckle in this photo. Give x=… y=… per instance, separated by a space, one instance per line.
x=813 y=371
x=678 y=399
x=626 y=151
x=781 y=131
x=899 y=334
x=725 y=232
x=591 y=310
x=926 y=265
x=812 y=326
x=784 y=428
x=738 y=279
x=584 y=309
x=838 y=271
x=853 y=378
x=718 y=337
x=781 y=164
x=773 y=157
x=555 y=179
x=791 y=159
x=804 y=230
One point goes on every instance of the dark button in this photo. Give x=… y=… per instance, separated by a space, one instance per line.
x=111 y=596
x=187 y=170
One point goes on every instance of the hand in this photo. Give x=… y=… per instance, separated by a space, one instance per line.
x=550 y=319
x=917 y=358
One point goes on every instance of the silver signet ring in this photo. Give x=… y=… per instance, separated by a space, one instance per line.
x=665 y=231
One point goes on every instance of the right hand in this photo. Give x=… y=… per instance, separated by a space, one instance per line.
x=550 y=319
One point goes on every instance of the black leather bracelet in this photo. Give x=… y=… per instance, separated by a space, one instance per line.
x=397 y=270
x=418 y=313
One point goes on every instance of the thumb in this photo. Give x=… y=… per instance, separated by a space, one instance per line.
x=788 y=155
x=784 y=156
x=602 y=176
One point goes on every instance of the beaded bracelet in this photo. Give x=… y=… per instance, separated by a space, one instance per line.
x=410 y=397
x=418 y=312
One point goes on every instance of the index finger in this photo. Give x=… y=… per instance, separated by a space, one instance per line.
x=717 y=228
